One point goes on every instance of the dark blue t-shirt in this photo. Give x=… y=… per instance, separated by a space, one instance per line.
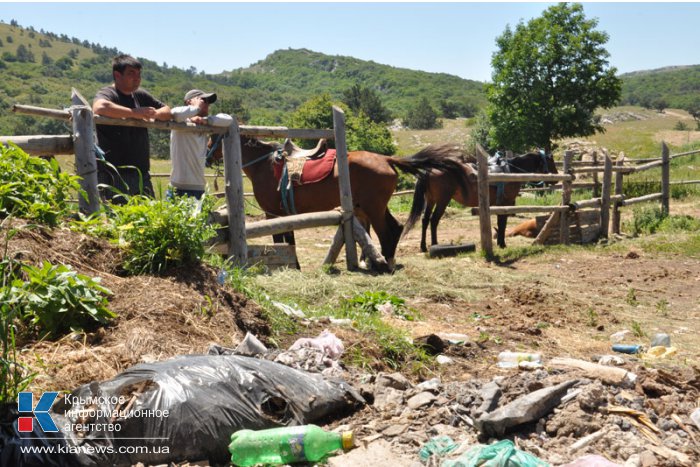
x=124 y=145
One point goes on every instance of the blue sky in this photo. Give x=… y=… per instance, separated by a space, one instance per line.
x=454 y=38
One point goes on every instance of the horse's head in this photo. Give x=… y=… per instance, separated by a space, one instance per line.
x=548 y=165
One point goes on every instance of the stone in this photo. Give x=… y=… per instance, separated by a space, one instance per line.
x=421 y=399
x=528 y=408
x=393 y=380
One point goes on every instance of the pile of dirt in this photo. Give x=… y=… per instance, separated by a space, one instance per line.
x=158 y=317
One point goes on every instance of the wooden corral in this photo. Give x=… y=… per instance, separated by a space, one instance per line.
x=234 y=242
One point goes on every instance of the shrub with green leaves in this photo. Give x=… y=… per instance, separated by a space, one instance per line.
x=649 y=220
x=370 y=303
x=33 y=188
x=14 y=377
x=156 y=234
x=54 y=299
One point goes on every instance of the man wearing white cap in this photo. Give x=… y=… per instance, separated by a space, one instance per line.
x=188 y=150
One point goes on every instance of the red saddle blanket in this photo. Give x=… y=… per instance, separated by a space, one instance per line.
x=314 y=170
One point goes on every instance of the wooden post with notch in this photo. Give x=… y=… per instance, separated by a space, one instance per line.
x=484 y=206
x=233 y=167
x=565 y=199
x=605 y=196
x=616 y=215
x=665 y=179
x=84 y=147
x=345 y=188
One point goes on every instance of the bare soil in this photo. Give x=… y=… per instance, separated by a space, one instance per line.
x=562 y=303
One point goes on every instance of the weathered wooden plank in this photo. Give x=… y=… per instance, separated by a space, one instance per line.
x=642 y=199
x=496 y=210
x=294 y=222
x=484 y=208
x=605 y=196
x=346 y=205
x=41 y=145
x=233 y=167
x=533 y=177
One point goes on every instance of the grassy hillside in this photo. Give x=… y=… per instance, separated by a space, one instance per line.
x=48 y=65
x=679 y=86
x=301 y=74
x=266 y=93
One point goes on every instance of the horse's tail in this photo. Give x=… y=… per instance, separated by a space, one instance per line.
x=446 y=158
x=417 y=206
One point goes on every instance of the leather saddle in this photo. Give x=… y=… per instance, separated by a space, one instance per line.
x=303 y=166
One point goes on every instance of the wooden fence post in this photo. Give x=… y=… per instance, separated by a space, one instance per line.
x=565 y=199
x=484 y=206
x=596 y=182
x=665 y=179
x=233 y=167
x=605 y=196
x=618 y=191
x=84 y=147
x=344 y=186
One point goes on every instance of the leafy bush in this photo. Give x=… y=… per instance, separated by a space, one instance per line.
x=650 y=220
x=54 y=299
x=14 y=377
x=361 y=132
x=370 y=303
x=34 y=188
x=156 y=234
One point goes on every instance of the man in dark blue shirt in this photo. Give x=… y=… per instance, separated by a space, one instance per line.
x=126 y=148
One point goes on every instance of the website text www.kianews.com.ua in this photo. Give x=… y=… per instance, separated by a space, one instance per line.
x=85 y=449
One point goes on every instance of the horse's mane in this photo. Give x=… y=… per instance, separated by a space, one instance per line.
x=253 y=142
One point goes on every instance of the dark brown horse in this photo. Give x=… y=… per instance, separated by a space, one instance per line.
x=437 y=189
x=373 y=178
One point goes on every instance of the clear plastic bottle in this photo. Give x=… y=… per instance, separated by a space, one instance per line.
x=512 y=359
x=308 y=443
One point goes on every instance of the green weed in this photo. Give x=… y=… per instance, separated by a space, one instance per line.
x=591 y=317
x=56 y=299
x=662 y=307
x=637 y=330
x=14 y=377
x=35 y=189
x=631 y=298
x=371 y=303
x=155 y=234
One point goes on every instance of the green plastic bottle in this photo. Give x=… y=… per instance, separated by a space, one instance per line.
x=286 y=445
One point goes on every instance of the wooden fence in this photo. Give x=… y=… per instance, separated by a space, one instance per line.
x=559 y=215
x=82 y=144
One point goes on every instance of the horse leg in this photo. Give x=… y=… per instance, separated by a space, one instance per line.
x=502 y=220
x=424 y=227
x=435 y=220
x=392 y=237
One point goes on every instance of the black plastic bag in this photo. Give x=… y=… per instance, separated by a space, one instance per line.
x=184 y=409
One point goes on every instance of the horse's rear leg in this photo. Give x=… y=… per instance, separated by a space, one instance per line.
x=502 y=220
x=435 y=220
x=424 y=227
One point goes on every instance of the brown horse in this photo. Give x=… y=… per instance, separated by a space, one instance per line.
x=373 y=178
x=437 y=189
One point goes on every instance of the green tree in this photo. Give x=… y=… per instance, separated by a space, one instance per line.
x=366 y=100
x=361 y=132
x=693 y=109
x=24 y=55
x=659 y=104
x=549 y=76
x=422 y=116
